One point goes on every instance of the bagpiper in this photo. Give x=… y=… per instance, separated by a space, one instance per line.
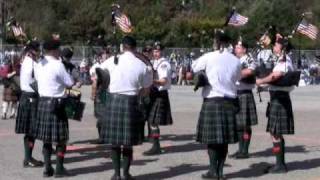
x=279 y=110
x=160 y=113
x=52 y=123
x=122 y=125
x=247 y=116
x=98 y=93
x=27 y=109
x=217 y=120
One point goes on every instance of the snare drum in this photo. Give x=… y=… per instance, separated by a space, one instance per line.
x=73 y=106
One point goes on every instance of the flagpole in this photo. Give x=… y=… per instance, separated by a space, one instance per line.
x=299 y=40
x=3 y=28
x=297 y=25
x=229 y=16
x=114 y=8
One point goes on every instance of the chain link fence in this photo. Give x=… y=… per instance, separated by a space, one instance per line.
x=85 y=52
x=310 y=62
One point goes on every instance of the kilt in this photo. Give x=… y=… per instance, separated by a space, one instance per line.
x=123 y=122
x=100 y=106
x=11 y=91
x=280 y=114
x=27 y=113
x=247 y=115
x=217 y=121
x=52 y=122
x=160 y=112
x=10 y=95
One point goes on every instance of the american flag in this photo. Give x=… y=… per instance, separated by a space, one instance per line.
x=237 y=20
x=308 y=29
x=123 y=22
x=17 y=30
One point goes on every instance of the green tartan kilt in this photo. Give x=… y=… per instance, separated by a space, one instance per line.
x=160 y=112
x=247 y=116
x=123 y=121
x=52 y=123
x=280 y=114
x=217 y=122
x=27 y=113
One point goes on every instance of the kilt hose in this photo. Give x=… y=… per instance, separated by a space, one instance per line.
x=160 y=112
x=52 y=123
x=27 y=113
x=247 y=116
x=217 y=121
x=145 y=106
x=279 y=114
x=123 y=121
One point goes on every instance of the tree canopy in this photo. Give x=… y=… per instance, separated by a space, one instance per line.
x=176 y=23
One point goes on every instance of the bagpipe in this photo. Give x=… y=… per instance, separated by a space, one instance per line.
x=292 y=78
x=200 y=80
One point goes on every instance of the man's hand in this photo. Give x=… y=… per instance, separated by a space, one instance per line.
x=78 y=85
x=259 y=82
x=11 y=74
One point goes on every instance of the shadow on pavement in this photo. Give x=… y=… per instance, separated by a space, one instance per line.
x=173 y=172
x=256 y=170
x=104 y=167
x=189 y=147
x=174 y=137
x=86 y=153
x=88 y=141
x=304 y=165
x=289 y=149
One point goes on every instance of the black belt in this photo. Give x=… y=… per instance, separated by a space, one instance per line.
x=124 y=96
x=279 y=94
x=219 y=99
x=51 y=98
x=29 y=94
x=244 y=92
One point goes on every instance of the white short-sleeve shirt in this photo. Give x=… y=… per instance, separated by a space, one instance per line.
x=92 y=70
x=246 y=63
x=163 y=71
x=128 y=76
x=223 y=70
x=52 y=77
x=283 y=67
x=27 y=66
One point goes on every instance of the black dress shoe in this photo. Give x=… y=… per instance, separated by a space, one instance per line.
x=48 y=172
x=99 y=141
x=12 y=116
x=62 y=173
x=153 y=151
x=278 y=169
x=128 y=177
x=209 y=175
x=234 y=155
x=116 y=177
x=242 y=156
x=32 y=163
